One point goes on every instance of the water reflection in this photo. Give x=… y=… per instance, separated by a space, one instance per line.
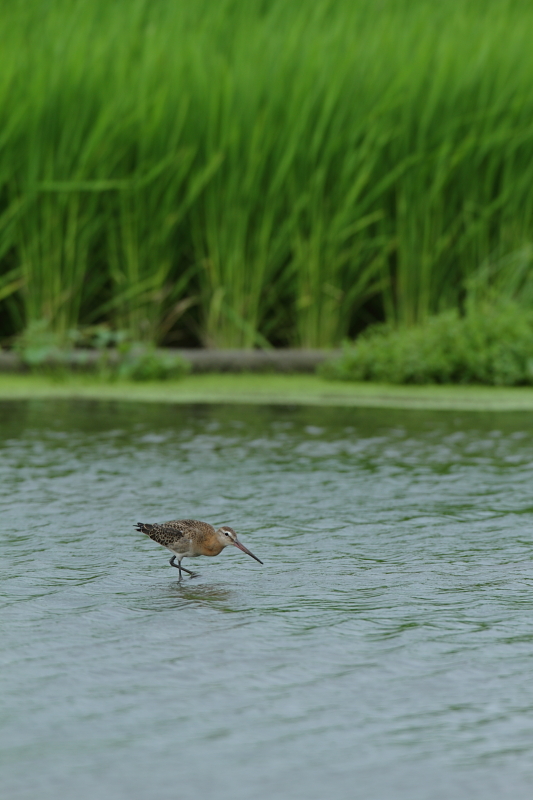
x=178 y=595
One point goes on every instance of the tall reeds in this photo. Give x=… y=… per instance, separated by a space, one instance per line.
x=248 y=172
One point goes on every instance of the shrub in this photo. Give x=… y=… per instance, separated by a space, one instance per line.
x=148 y=364
x=489 y=345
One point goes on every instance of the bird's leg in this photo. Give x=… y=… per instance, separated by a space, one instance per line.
x=172 y=563
x=178 y=566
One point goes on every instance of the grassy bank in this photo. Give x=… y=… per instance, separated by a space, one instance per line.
x=270 y=389
x=243 y=172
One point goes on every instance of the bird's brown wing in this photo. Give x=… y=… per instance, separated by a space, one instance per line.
x=164 y=533
x=172 y=532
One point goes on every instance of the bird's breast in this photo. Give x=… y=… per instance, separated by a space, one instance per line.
x=209 y=549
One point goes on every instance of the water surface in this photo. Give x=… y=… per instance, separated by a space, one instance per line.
x=384 y=650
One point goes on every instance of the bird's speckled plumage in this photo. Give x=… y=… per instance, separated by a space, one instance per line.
x=191 y=538
x=178 y=534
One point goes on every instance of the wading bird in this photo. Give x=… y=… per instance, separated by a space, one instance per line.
x=190 y=538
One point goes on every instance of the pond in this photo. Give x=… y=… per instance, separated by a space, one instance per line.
x=384 y=650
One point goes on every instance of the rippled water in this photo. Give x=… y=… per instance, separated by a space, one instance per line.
x=385 y=649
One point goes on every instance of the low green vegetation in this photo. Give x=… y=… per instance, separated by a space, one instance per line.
x=241 y=173
x=108 y=355
x=242 y=389
x=491 y=344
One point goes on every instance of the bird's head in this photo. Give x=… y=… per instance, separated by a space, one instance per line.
x=227 y=535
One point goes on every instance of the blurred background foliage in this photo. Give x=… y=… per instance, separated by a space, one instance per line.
x=241 y=173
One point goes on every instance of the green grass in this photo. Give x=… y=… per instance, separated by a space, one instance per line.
x=269 y=389
x=253 y=172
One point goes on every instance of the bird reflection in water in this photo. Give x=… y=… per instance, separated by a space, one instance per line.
x=206 y=595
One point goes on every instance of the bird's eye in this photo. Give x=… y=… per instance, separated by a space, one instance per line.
x=227 y=534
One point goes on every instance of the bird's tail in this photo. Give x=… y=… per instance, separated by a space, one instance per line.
x=144 y=527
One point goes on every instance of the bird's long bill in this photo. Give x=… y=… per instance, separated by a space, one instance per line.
x=245 y=549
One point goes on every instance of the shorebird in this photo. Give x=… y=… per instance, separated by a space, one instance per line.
x=191 y=538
